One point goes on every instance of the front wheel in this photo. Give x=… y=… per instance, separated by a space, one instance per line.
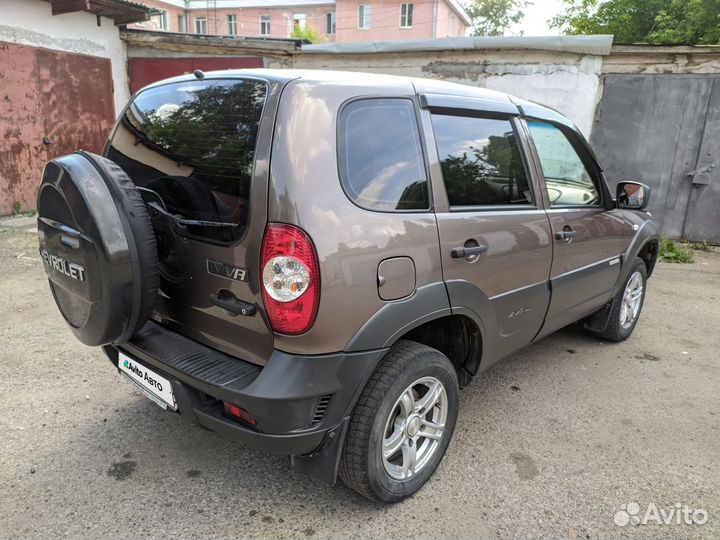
x=627 y=305
x=402 y=423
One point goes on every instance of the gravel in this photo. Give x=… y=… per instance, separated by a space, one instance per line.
x=555 y=441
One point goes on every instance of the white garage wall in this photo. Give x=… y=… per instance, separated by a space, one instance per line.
x=562 y=73
x=31 y=22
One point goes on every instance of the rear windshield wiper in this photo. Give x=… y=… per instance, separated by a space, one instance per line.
x=190 y=222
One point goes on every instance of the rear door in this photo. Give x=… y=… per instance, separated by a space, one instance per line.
x=494 y=234
x=198 y=150
x=588 y=239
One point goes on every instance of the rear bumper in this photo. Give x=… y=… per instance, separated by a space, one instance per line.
x=296 y=400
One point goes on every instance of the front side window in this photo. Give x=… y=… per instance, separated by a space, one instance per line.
x=380 y=155
x=330 y=23
x=265 y=25
x=481 y=161
x=190 y=149
x=200 y=25
x=232 y=25
x=364 y=16
x=567 y=179
x=406 y=15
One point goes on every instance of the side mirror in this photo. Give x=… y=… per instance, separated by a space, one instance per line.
x=632 y=195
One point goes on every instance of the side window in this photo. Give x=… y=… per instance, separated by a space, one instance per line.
x=568 y=181
x=380 y=155
x=481 y=161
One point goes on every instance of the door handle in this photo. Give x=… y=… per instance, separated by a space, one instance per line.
x=227 y=301
x=565 y=235
x=462 y=252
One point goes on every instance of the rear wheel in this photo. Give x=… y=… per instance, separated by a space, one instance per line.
x=627 y=305
x=402 y=424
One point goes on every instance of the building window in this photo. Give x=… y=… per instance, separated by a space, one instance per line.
x=265 y=25
x=161 y=21
x=299 y=21
x=182 y=23
x=232 y=25
x=406 y=14
x=200 y=25
x=364 y=15
x=330 y=23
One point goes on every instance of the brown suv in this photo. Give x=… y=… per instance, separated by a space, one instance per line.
x=314 y=262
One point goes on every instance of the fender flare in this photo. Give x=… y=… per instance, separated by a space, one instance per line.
x=645 y=234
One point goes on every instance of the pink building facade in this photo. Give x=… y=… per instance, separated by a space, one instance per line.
x=334 y=20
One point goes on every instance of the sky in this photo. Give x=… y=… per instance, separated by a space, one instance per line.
x=537 y=15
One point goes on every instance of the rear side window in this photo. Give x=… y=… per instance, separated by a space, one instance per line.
x=190 y=148
x=567 y=179
x=380 y=155
x=481 y=161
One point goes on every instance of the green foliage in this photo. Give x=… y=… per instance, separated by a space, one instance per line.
x=17 y=210
x=701 y=246
x=310 y=34
x=644 y=21
x=494 y=17
x=673 y=252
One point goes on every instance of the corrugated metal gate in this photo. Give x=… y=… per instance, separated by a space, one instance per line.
x=664 y=130
x=51 y=103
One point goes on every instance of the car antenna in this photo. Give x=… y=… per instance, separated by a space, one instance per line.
x=199 y=74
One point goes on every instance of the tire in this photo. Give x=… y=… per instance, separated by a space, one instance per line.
x=619 y=327
x=407 y=369
x=98 y=246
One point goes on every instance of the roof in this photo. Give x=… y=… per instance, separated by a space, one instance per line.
x=122 y=12
x=460 y=10
x=598 y=45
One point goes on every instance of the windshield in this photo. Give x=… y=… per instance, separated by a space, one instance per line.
x=190 y=149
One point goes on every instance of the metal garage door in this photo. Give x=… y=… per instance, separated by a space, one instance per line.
x=51 y=103
x=664 y=130
x=144 y=71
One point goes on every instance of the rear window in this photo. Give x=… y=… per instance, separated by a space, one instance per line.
x=381 y=160
x=190 y=148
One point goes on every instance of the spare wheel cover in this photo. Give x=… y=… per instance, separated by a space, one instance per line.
x=97 y=246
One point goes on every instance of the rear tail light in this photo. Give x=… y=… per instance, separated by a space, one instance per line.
x=291 y=279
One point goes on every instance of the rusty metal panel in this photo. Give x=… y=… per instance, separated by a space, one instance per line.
x=76 y=101
x=51 y=103
x=144 y=71
x=21 y=126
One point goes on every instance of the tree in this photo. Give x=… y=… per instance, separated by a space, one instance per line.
x=309 y=33
x=644 y=21
x=494 y=17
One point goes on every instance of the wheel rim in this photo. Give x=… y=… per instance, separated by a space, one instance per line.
x=415 y=428
x=631 y=300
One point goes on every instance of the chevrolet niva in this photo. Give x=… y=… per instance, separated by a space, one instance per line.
x=315 y=262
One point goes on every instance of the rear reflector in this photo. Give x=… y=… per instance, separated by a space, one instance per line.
x=240 y=414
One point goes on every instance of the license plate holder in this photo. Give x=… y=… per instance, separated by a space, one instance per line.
x=150 y=383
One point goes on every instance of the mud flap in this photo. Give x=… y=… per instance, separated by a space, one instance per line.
x=323 y=463
x=599 y=321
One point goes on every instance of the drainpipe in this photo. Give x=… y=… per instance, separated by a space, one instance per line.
x=435 y=16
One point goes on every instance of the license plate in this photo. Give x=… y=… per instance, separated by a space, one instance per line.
x=154 y=386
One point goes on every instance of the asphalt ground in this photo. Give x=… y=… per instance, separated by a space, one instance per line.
x=557 y=441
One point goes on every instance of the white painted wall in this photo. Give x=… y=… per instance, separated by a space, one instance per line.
x=31 y=22
x=566 y=81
